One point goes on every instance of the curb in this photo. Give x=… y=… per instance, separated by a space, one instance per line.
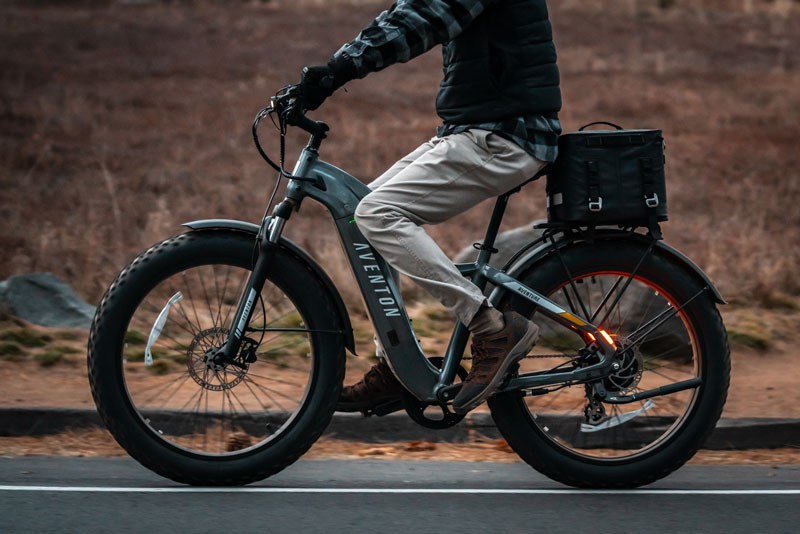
x=730 y=434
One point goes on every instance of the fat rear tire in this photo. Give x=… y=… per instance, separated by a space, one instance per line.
x=519 y=428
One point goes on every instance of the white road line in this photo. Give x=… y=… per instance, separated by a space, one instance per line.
x=454 y=491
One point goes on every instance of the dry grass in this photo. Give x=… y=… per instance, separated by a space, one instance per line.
x=120 y=121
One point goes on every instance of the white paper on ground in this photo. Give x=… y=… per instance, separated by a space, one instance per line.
x=158 y=326
x=617 y=419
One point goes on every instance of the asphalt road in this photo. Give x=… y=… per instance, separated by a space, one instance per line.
x=117 y=495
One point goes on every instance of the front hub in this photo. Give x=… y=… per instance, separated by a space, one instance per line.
x=206 y=362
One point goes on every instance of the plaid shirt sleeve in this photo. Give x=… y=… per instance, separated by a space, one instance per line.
x=408 y=29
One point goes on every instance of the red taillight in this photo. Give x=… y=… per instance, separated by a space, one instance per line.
x=607 y=338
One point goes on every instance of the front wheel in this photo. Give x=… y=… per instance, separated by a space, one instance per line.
x=569 y=436
x=166 y=400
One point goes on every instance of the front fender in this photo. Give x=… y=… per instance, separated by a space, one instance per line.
x=533 y=257
x=304 y=256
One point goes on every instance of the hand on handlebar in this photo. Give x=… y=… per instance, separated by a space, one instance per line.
x=290 y=108
x=316 y=84
x=319 y=82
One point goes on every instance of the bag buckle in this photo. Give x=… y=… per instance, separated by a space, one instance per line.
x=596 y=205
x=651 y=202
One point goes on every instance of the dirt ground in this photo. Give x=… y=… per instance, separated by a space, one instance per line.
x=760 y=387
x=100 y=443
x=763 y=382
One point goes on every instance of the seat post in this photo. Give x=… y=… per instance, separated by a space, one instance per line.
x=487 y=247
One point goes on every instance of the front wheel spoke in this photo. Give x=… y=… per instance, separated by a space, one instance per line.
x=278 y=380
x=268 y=392
x=177 y=380
x=182 y=311
x=253 y=393
x=208 y=300
x=266 y=324
x=182 y=382
x=244 y=408
x=188 y=287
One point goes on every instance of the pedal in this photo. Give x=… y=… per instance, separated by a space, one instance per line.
x=384 y=409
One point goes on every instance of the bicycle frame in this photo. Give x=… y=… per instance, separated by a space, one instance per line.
x=340 y=193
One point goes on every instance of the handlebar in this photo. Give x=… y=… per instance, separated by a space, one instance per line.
x=298 y=118
x=287 y=103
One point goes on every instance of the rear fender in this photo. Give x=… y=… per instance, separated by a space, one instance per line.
x=302 y=255
x=537 y=255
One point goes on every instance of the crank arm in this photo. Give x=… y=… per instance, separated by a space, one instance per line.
x=385 y=408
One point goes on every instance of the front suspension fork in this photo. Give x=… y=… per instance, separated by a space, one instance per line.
x=267 y=240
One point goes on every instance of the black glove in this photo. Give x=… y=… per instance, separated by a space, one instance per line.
x=318 y=83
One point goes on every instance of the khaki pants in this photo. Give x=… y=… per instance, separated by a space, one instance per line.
x=440 y=179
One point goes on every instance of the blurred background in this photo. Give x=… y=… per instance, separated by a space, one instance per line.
x=121 y=119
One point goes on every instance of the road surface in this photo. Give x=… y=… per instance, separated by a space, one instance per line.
x=117 y=495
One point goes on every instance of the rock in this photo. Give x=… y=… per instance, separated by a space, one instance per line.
x=42 y=299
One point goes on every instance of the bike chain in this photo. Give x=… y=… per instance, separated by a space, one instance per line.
x=531 y=356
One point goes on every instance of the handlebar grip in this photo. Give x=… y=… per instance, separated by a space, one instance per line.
x=317 y=129
x=296 y=117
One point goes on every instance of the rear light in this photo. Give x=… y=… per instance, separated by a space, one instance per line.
x=607 y=338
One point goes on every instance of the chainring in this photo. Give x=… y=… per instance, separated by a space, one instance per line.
x=416 y=409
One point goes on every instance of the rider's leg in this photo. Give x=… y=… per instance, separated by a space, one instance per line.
x=488 y=319
x=379 y=383
x=375 y=184
x=442 y=178
x=457 y=173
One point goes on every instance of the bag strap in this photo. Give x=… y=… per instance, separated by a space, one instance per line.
x=651 y=199
x=600 y=122
x=593 y=181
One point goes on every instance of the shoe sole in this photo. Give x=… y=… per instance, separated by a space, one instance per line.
x=514 y=355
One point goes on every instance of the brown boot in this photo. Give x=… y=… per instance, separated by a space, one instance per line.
x=379 y=385
x=492 y=355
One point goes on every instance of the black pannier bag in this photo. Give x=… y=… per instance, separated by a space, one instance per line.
x=608 y=177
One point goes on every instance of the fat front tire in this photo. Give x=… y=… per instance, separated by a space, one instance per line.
x=548 y=431
x=181 y=414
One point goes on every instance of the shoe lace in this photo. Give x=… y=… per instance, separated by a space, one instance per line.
x=480 y=356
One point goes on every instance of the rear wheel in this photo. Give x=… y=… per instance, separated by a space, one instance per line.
x=572 y=438
x=187 y=417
